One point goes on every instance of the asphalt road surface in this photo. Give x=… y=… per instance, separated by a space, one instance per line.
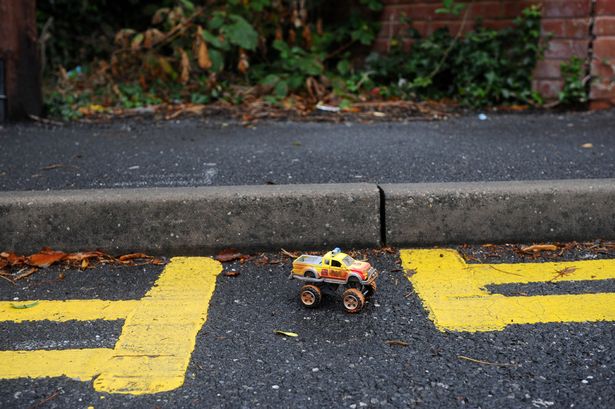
x=201 y=153
x=338 y=359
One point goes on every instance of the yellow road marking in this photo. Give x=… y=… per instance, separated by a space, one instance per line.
x=80 y=310
x=78 y=364
x=455 y=297
x=157 y=339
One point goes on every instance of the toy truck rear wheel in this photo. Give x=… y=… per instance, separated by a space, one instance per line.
x=353 y=300
x=310 y=296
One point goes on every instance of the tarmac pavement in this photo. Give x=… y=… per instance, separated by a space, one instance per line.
x=338 y=359
x=190 y=152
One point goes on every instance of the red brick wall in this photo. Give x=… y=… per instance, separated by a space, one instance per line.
x=602 y=93
x=567 y=21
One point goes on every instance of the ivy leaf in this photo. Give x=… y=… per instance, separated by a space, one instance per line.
x=241 y=33
x=213 y=40
x=281 y=89
x=270 y=79
x=217 y=60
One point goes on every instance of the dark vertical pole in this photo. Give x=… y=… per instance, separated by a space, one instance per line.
x=2 y=93
x=19 y=51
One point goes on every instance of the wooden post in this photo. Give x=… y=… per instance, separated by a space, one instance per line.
x=19 y=51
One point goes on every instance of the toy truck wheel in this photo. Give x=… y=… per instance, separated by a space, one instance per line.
x=354 y=282
x=370 y=289
x=310 y=296
x=353 y=300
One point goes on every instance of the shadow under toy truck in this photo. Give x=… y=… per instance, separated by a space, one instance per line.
x=324 y=275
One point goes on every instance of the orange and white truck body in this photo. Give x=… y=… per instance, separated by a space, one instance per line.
x=334 y=267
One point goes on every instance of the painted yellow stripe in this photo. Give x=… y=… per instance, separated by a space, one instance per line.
x=80 y=310
x=78 y=364
x=454 y=293
x=158 y=337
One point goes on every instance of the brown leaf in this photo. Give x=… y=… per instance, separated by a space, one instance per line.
x=227 y=255
x=45 y=258
x=307 y=36
x=84 y=263
x=244 y=64
x=539 y=247
x=132 y=256
x=13 y=259
x=80 y=256
x=201 y=49
x=231 y=273
x=184 y=66
x=152 y=37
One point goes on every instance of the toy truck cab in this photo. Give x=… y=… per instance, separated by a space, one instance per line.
x=330 y=271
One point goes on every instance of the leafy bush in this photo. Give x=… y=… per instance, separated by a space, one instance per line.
x=574 y=91
x=181 y=51
x=485 y=66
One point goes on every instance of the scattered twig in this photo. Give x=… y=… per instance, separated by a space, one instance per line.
x=289 y=254
x=45 y=121
x=505 y=272
x=45 y=400
x=7 y=279
x=478 y=361
x=396 y=342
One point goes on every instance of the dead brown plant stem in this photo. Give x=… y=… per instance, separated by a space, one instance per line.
x=454 y=42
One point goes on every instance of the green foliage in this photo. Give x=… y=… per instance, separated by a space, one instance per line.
x=178 y=51
x=483 y=67
x=574 y=91
x=450 y=7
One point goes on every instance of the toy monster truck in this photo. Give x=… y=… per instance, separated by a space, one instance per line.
x=325 y=274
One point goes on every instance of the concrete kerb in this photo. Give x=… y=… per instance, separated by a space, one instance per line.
x=483 y=212
x=206 y=219
x=192 y=220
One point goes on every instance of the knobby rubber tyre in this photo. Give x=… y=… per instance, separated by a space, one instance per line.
x=310 y=296
x=353 y=300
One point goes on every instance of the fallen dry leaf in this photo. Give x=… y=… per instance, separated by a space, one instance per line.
x=227 y=255
x=563 y=273
x=80 y=256
x=231 y=273
x=286 y=333
x=587 y=145
x=132 y=256
x=45 y=258
x=13 y=259
x=539 y=247
x=24 y=306
x=397 y=342
x=84 y=263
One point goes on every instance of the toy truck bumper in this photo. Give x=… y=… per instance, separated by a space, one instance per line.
x=372 y=275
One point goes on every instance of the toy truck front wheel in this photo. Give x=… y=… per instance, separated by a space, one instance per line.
x=310 y=296
x=353 y=300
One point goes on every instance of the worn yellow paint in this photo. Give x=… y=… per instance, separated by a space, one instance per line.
x=157 y=339
x=81 y=364
x=455 y=297
x=81 y=310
